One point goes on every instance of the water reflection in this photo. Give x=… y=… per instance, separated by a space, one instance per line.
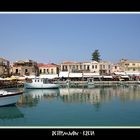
x=99 y=95
x=32 y=97
x=95 y=96
x=10 y=112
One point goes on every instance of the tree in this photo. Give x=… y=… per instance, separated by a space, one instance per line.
x=96 y=56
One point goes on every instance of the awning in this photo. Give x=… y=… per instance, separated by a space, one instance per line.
x=107 y=77
x=120 y=73
x=49 y=76
x=90 y=74
x=133 y=73
x=75 y=75
x=63 y=74
x=125 y=76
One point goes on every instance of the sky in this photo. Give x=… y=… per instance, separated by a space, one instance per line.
x=57 y=37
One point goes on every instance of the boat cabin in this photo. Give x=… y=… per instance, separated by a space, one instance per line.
x=41 y=80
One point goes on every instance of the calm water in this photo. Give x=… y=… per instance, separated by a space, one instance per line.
x=108 y=106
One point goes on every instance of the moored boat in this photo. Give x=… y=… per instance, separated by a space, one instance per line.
x=40 y=83
x=9 y=97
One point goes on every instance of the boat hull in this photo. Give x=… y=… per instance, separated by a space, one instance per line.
x=40 y=86
x=9 y=99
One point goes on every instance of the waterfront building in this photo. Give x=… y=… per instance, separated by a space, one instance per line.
x=94 y=67
x=21 y=68
x=130 y=66
x=4 y=67
x=105 y=68
x=102 y=67
x=86 y=67
x=71 y=66
x=48 y=68
x=116 y=68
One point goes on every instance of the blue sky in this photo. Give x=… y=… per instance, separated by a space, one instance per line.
x=69 y=37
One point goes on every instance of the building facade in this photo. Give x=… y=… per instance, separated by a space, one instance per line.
x=102 y=67
x=71 y=66
x=48 y=68
x=116 y=68
x=105 y=68
x=4 y=67
x=21 y=68
x=130 y=65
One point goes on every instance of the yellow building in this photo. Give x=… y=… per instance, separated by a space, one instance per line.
x=48 y=68
x=71 y=66
x=130 y=65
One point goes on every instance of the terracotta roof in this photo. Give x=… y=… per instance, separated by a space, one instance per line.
x=46 y=65
x=68 y=62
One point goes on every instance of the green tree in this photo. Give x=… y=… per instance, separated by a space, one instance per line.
x=96 y=56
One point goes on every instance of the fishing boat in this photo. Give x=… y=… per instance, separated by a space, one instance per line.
x=40 y=83
x=9 y=97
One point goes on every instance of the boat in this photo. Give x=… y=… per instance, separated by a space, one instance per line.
x=90 y=82
x=9 y=97
x=40 y=83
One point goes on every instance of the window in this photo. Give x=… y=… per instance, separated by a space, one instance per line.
x=84 y=67
x=87 y=67
x=66 y=67
x=95 y=66
x=40 y=71
x=48 y=71
x=44 y=71
x=100 y=66
x=115 y=67
x=63 y=68
x=26 y=70
x=77 y=67
x=16 y=70
x=51 y=71
x=92 y=66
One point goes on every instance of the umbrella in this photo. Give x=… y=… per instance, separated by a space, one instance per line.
x=1 y=79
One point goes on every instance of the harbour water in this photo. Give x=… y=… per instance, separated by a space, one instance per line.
x=96 y=106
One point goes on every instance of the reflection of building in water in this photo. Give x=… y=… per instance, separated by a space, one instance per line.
x=100 y=95
x=78 y=95
x=10 y=112
x=31 y=97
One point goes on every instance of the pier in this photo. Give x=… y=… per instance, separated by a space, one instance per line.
x=11 y=85
x=95 y=83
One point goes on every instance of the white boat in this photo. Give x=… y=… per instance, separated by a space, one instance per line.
x=9 y=97
x=40 y=83
x=91 y=83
